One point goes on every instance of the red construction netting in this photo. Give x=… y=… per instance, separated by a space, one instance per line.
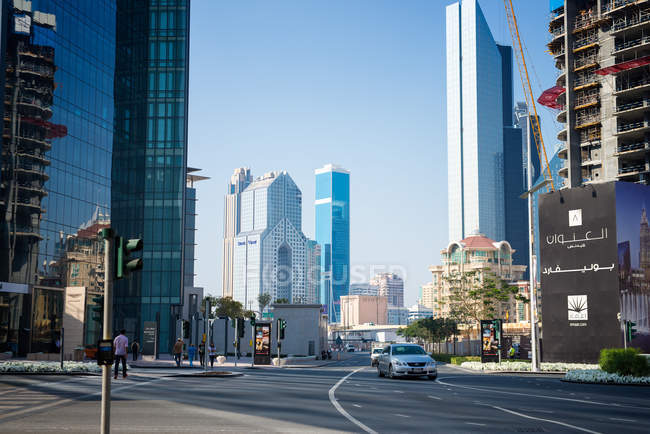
x=630 y=64
x=549 y=97
x=52 y=130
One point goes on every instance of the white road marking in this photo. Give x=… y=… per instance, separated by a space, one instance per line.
x=398 y=391
x=475 y=423
x=357 y=405
x=480 y=389
x=622 y=420
x=536 y=410
x=557 y=422
x=401 y=415
x=435 y=397
x=342 y=410
x=78 y=398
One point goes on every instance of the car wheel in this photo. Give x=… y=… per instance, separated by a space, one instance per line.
x=379 y=373
x=432 y=377
x=391 y=375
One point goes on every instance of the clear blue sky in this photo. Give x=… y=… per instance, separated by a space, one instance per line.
x=295 y=84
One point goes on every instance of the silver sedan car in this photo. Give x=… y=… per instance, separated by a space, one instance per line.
x=406 y=360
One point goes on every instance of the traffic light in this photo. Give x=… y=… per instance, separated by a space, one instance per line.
x=240 y=327
x=98 y=309
x=123 y=264
x=630 y=331
x=282 y=324
x=186 y=329
x=252 y=320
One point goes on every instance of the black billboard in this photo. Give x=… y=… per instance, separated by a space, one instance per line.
x=262 y=343
x=490 y=340
x=579 y=273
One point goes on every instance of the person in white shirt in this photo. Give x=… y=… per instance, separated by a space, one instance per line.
x=121 y=343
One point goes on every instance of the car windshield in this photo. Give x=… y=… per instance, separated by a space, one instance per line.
x=407 y=349
x=377 y=351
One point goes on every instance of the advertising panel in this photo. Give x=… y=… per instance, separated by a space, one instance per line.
x=633 y=235
x=579 y=260
x=262 y=343
x=489 y=342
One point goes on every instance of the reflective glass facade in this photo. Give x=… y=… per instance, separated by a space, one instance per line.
x=333 y=234
x=58 y=83
x=150 y=159
x=475 y=116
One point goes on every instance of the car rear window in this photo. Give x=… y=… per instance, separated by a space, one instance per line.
x=407 y=349
x=377 y=351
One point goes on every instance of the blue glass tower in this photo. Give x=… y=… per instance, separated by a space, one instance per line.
x=333 y=234
x=148 y=193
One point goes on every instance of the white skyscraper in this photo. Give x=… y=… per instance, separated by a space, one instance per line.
x=270 y=252
x=479 y=80
x=240 y=179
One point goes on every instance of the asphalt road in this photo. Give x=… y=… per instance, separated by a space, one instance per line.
x=346 y=396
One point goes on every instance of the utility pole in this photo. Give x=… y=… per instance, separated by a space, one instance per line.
x=107 y=234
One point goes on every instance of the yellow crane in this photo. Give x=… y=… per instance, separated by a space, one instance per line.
x=528 y=91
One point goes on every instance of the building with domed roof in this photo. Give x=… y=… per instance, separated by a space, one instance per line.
x=474 y=253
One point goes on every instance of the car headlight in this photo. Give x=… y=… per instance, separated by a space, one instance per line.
x=432 y=363
x=400 y=363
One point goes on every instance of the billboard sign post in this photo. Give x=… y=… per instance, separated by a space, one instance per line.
x=262 y=355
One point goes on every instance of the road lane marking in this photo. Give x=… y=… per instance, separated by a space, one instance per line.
x=357 y=405
x=341 y=410
x=78 y=398
x=536 y=410
x=557 y=422
x=401 y=415
x=398 y=391
x=622 y=420
x=475 y=423
x=435 y=397
x=480 y=389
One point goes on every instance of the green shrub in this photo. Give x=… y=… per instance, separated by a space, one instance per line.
x=442 y=357
x=624 y=362
x=457 y=360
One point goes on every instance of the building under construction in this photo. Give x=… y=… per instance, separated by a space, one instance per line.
x=602 y=52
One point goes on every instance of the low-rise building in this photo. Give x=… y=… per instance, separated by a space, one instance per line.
x=398 y=315
x=363 y=309
x=418 y=311
x=476 y=253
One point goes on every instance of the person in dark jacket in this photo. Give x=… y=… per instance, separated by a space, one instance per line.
x=135 y=349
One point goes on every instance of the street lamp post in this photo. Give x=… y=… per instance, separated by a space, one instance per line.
x=532 y=258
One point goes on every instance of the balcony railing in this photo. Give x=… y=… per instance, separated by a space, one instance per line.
x=613 y=4
x=621 y=128
x=587 y=60
x=584 y=79
x=632 y=20
x=590 y=39
x=632 y=105
x=643 y=81
x=640 y=167
x=626 y=147
x=619 y=46
x=585 y=19
x=590 y=135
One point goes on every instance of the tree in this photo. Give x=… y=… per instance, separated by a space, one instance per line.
x=479 y=294
x=226 y=307
x=264 y=300
x=213 y=302
x=282 y=301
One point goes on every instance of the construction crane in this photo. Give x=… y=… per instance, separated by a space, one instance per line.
x=528 y=91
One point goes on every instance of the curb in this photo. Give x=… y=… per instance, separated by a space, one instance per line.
x=91 y=374
x=605 y=384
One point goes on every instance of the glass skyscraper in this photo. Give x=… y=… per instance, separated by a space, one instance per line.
x=270 y=250
x=333 y=234
x=150 y=159
x=57 y=74
x=475 y=120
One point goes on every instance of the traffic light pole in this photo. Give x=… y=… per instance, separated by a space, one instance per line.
x=107 y=234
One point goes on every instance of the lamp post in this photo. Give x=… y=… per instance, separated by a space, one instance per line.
x=532 y=260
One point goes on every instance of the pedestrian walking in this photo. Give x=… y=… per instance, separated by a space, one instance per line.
x=178 y=352
x=212 y=353
x=191 y=352
x=511 y=353
x=135 y=349
x=120 y=343
x=202 y=353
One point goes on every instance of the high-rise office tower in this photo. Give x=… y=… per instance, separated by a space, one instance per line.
x=312 y=284
x=150 y=160
x=190 y=225
x=270 y=249
x=333 y=234
x=601 y=52
x=391 y=286
x=479 y=109
x=56 y=82
x=239 y=180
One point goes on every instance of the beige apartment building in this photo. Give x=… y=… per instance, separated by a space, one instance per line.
x=474 y=253
x=363 y=309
